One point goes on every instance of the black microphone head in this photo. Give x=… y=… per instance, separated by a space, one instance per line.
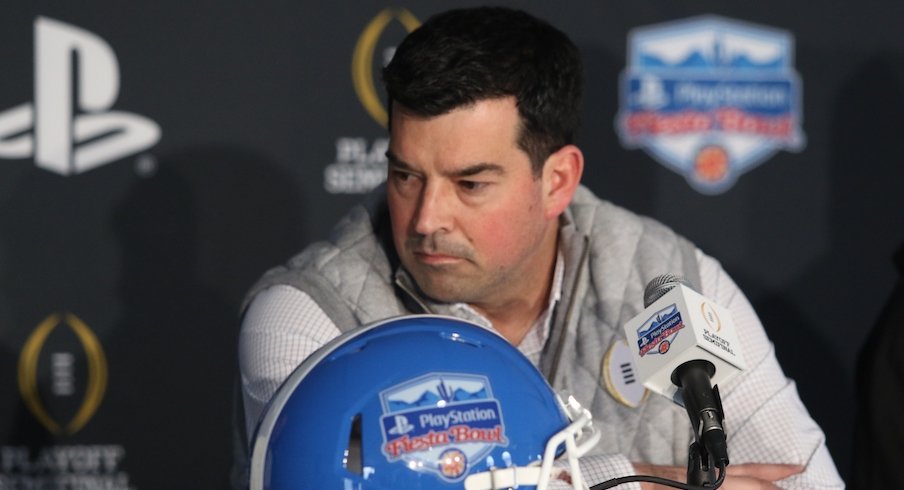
x=660 y=285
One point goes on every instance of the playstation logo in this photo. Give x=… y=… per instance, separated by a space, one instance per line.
x=402 y=426
x=70 y=131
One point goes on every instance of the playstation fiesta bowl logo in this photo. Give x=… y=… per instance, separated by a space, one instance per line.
x=655 y=336
x=441 y=423
x=710 y=98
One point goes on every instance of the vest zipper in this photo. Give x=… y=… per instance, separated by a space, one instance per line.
x=569 y=312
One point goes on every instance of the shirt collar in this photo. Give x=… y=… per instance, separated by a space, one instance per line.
x=532 y=344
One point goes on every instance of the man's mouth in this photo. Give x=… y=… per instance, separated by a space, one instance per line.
x=433 y=258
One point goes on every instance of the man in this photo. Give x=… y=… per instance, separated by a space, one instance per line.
x=483 y=218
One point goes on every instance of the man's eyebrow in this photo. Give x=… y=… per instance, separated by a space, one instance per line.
x=396 y=162
x=468 y=171
x=478 y=168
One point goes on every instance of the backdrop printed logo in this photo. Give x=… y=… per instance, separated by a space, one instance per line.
x=363 y=70
x=60 y=140
x=49 y=347
x=710 y=98
x=441 y=422
x=360 y=163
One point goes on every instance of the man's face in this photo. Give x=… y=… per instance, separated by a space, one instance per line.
x=467 y=213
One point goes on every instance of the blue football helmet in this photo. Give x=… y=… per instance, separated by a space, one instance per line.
x=418 y=402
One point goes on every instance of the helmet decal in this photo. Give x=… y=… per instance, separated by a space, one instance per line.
x=440 y=421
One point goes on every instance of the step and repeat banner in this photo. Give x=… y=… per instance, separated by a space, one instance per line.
x=156 y=157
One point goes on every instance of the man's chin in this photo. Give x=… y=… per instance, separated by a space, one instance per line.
x=443 y=295
x=443 y=291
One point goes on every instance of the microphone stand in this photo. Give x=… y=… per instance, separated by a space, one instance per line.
x=700 y=468
x=704 y=407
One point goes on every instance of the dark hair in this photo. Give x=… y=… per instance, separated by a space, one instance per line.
x=461 y=57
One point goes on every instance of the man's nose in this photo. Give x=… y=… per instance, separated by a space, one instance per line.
x=434 y=211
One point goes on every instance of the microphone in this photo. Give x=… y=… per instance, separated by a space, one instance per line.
x=683 y=346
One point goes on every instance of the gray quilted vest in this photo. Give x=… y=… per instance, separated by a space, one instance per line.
x=610 y=255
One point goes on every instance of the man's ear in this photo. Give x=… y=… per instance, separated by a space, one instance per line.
x=561 y=177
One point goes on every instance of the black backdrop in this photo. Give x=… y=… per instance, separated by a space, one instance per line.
x=121 y=275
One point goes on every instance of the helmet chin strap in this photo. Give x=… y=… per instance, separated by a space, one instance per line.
x=579 y=437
